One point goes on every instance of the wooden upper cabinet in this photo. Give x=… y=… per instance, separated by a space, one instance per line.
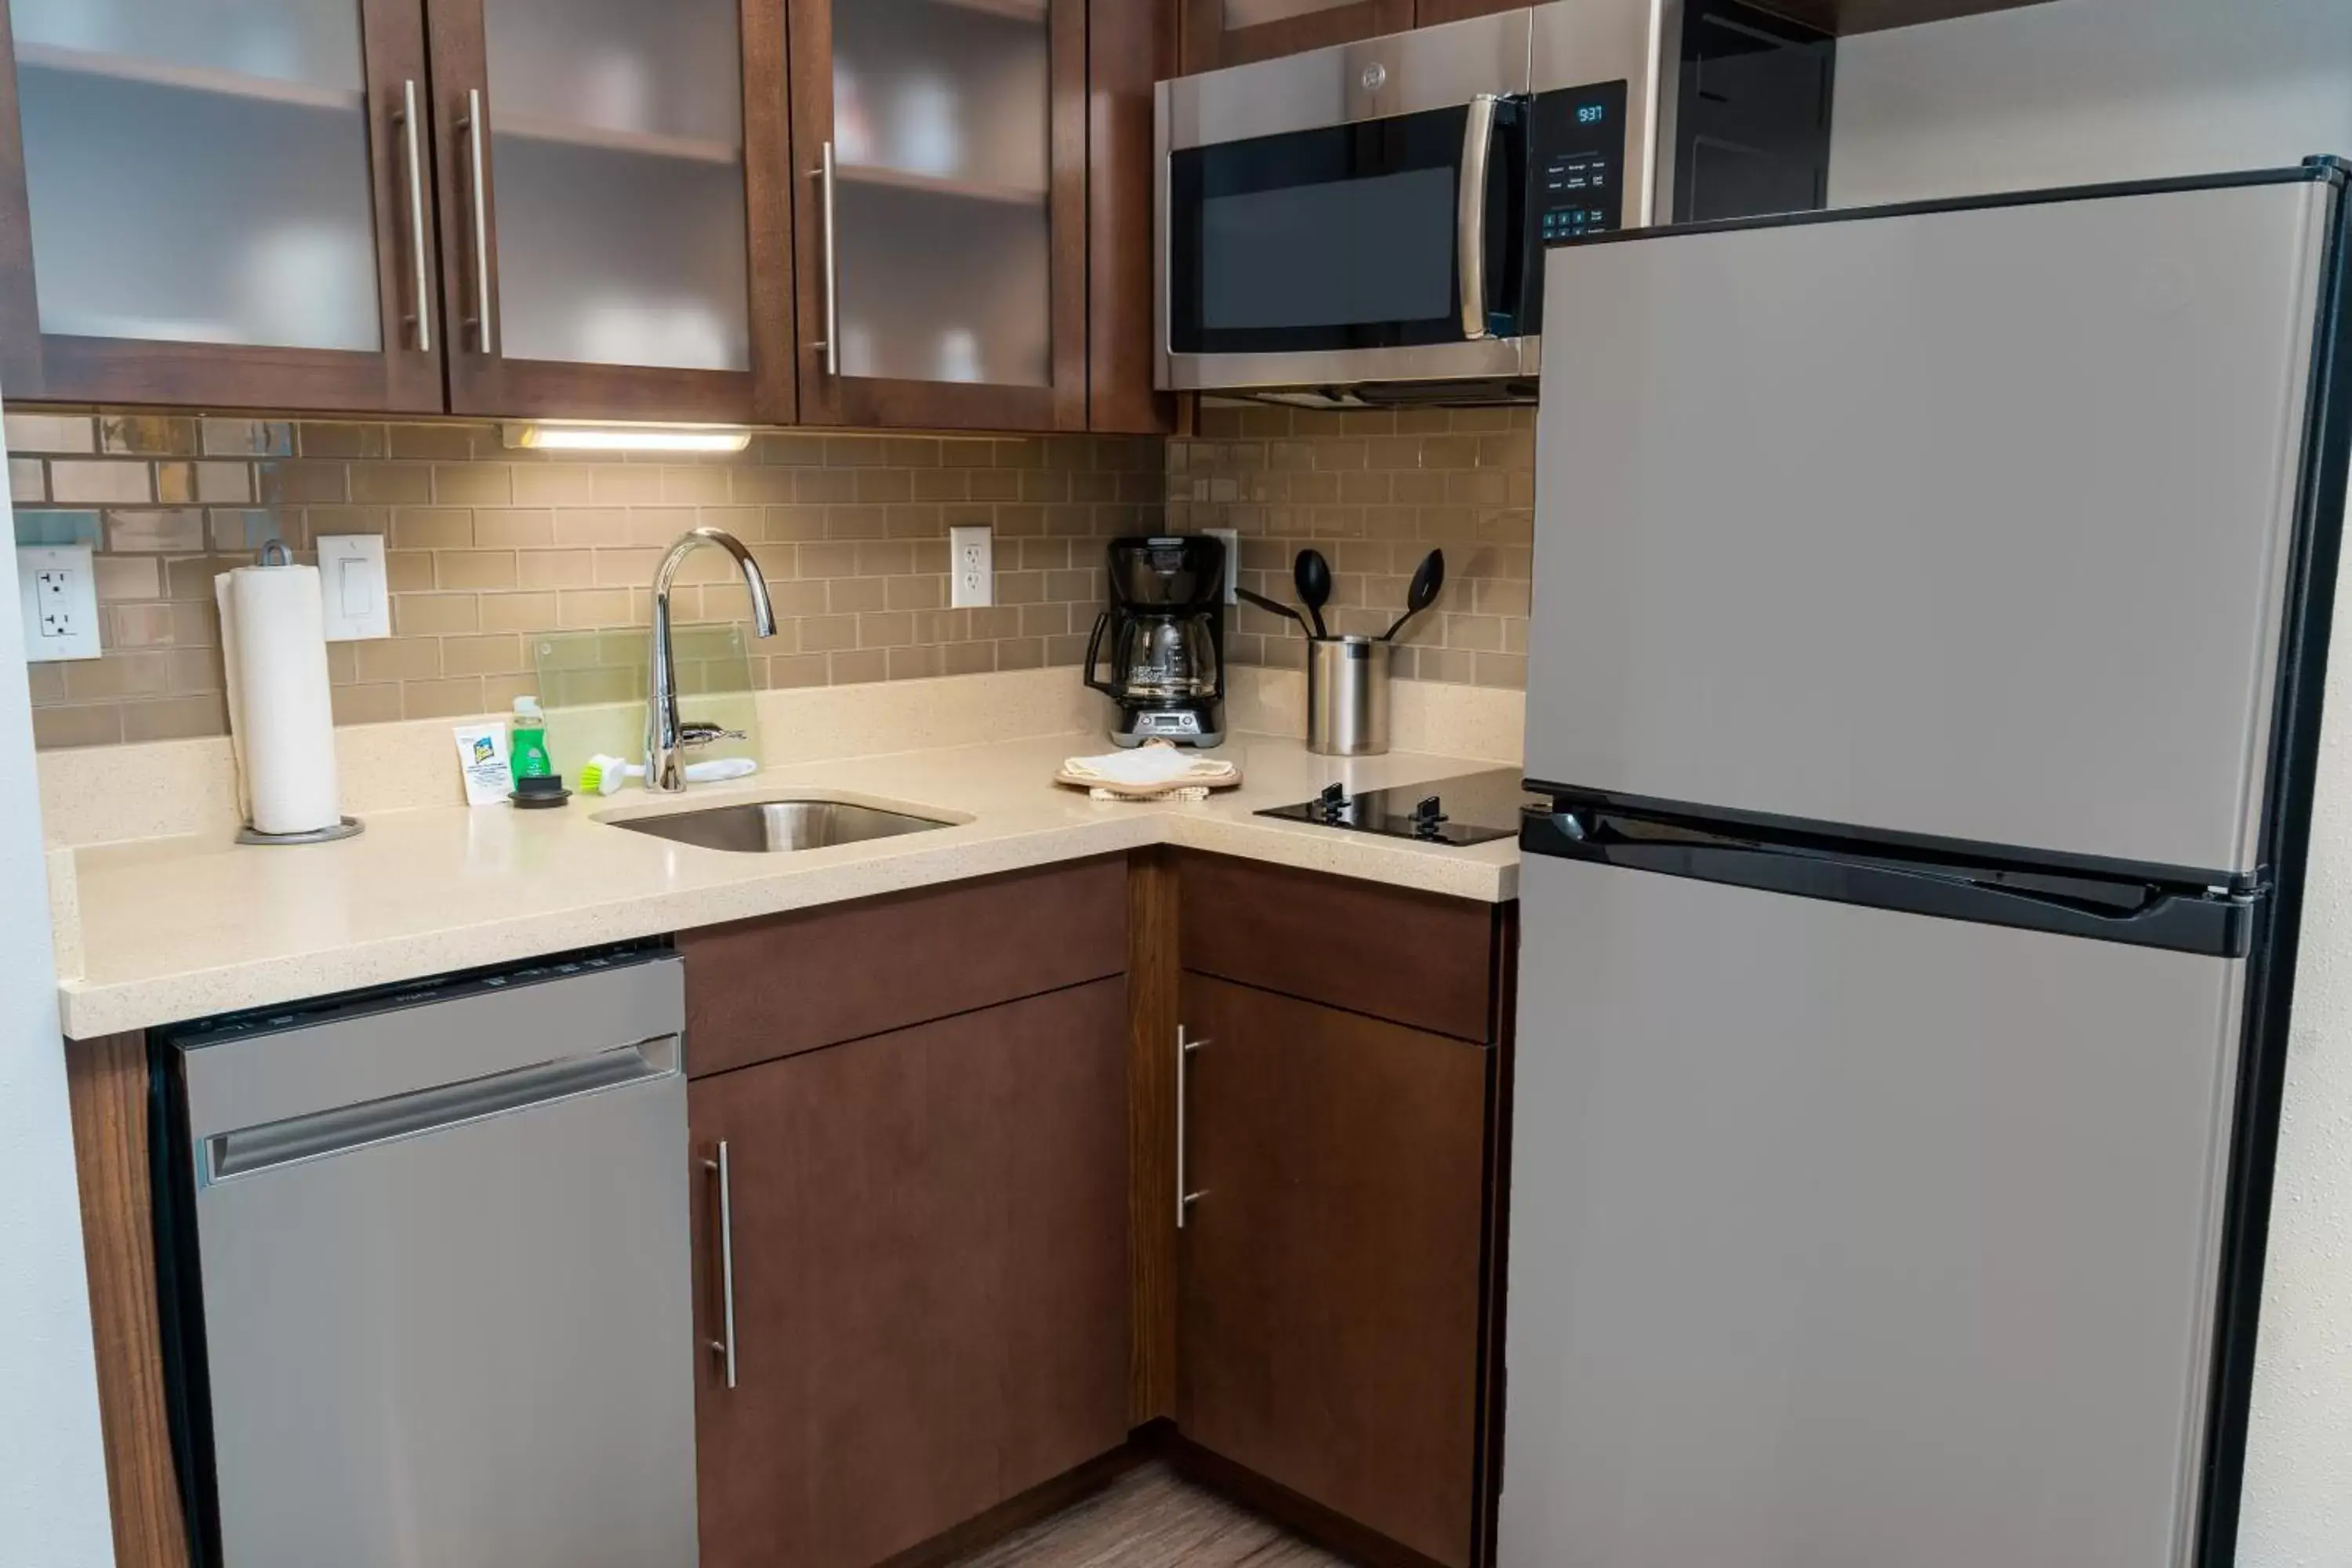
x=616 y=194
x=1431 y=13
x=210 y=201
x=940 y=211
x=1219 y=33
x=1131 y=46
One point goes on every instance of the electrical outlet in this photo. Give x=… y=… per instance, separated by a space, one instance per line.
x=1232 y=539
x=972 y=567
x=59 y=591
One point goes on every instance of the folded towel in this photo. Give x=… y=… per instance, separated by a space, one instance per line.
x=1149 y=765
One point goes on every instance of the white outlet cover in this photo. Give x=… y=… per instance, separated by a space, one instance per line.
x=59 y=592
x=1232 y=543
x=972 y=567
x=351 y=582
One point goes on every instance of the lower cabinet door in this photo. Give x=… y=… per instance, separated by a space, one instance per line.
x=1329 y=1269
x=928 y=1237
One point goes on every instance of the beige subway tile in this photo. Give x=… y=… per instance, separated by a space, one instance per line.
x=453 y=699
x=408 y=571
x=100 y=483
x=1021 y=587
x=119 y=577
x=393 y=484
x=691 y=484
x=92 y=725
x=1066 y=650
x=589 y=607
x=195 y=669
x=591 y=527
x=788 y=670
x=792 y=596
x=28 y=481
x=403 y=658
x=175 y=483
x=473 y=569
x=174 y=717
x=924 y=593
x=794 y=523
x=553 y=484
x=433 y=442
x=525 y=612
x=622 y=568
x=859 y=596
x=830 y=560
x=621 y=484
x=436 y=615
x=432 y=528
x=134 y=625
x=316 y=438
x=757 y=485
x=1021 y=653
x=473 y=484
x=248 y=439
x=857 y=523
x=168 y=529
x=117 y=675
x=1044 y=620
x=918 y=663
x=877 y=560
x=1505 y=669
x=300 y=483
x=968 y=659
x=996 y=622
x=826 y=634
x=377 y=704
x=658 y=527
x=499 y=691
x=824 y=486
x=146 y=435
x=886 y=628
x=195 y=623
x=859 y=666
x=501 y=654
x=51 y=433
x=514 y=528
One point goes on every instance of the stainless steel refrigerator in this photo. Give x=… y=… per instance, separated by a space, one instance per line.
x=1931 y=607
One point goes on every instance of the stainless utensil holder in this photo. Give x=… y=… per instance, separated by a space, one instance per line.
x=1347 y=696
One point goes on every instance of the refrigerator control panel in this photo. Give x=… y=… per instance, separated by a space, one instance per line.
x=1577 y=144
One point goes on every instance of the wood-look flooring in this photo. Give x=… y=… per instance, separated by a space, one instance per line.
x=1150 y=1519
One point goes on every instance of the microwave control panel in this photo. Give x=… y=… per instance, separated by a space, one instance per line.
x=1576 y=145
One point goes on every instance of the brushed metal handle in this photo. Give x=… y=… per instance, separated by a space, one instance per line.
x=724 y=1347
x=411 y=140
x=1470 y=214
x=1184 y=1199
x=472 y=126
x=823 y=175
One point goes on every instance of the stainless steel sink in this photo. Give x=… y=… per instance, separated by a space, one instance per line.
x=777 y=826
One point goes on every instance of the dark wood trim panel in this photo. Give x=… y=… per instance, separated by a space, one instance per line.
x=1153 y=1010
x=1497 y=1269
x=1301 y=1515
x=1035 y=1506
x=876 y=403
x=495 y=384
x=1130 y=45
x=1210 y=45
x=1436 y=12
x=106 y=1082
x=396 y=379
x=786 y=984
x=1418 y=959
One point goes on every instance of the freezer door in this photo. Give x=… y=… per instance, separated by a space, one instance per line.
x=1841 y=1236
x=1971 y=525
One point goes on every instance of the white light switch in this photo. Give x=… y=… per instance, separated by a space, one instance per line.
x=59 y=593
x=352 y=581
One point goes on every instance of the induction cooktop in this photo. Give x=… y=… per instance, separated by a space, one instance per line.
x=1474 y=808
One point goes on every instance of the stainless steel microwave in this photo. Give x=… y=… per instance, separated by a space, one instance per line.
x=1366 y=223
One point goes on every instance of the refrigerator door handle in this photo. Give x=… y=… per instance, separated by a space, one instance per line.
x=2138 y=913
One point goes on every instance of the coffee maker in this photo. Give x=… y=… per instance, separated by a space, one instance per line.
x=1165 y=639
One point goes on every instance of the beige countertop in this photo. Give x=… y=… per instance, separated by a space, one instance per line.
x=175 y=928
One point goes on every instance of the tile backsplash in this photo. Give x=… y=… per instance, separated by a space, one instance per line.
x=487 y=547
x=1375 y=491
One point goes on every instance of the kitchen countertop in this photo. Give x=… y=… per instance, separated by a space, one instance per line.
x=179 y=928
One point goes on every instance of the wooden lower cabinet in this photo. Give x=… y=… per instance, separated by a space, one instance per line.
x=1328 y=1274
x=931 y=1295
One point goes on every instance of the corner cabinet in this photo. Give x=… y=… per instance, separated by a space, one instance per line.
x=612 y=180
x=940 y=211
x=1221 y=33
x=223 y=204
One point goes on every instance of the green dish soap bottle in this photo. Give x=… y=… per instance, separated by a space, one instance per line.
x=527 y=746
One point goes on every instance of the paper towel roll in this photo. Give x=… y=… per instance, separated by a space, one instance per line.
x=281 y=716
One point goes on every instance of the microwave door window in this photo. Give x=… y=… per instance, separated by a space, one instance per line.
x=1339 y=238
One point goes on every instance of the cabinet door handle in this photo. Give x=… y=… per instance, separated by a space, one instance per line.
x=823 y=176
x=413 y=160
x=1185 y=1199
x=724 y=1346
x=476 y=163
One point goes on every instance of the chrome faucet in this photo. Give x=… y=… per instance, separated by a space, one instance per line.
x=666 y=737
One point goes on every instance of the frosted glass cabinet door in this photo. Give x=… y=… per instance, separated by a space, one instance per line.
x=225 y=189
x=606 y=163
x=941 y=210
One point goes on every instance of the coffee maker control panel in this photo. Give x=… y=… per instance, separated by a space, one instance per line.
x=1180 y=725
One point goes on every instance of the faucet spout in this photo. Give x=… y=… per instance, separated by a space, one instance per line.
x=664 y=735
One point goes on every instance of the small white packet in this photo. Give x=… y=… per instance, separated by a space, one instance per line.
x=482 y=758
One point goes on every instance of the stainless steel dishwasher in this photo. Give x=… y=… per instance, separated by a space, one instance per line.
x=434 y=1306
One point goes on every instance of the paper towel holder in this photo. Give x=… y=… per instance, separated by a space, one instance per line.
x=349 y=827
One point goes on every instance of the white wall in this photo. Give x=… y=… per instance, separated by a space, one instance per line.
x=53 y=1509
x=2085 y=90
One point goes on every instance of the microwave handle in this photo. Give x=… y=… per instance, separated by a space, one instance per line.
x=1470 y=214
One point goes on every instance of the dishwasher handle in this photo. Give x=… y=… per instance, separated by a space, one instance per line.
x=342 y=1131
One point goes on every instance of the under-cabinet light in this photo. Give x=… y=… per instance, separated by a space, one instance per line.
x=542 y=435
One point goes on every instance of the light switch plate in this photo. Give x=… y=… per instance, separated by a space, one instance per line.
x=1232 y=543
x=352 y=581
x=59 y=591
x=972 y=567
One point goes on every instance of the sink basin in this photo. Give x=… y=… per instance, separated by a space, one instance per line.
x=778 y=826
